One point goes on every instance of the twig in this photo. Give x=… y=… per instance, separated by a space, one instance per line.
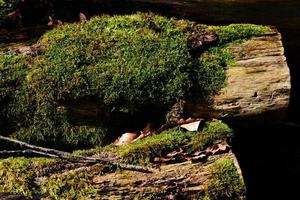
x=26 y=152
x=170 y=180
x=71 y=157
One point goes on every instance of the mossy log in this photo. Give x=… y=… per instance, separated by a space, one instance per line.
x=257 y=83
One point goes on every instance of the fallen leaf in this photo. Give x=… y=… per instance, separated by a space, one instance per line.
x=200 y=158
x=186 y=121
x=174 y=153
x=218 y=149
x=164 y=160
x=193 y=126
x=82 y=17
x=126 y=138
x=197 y=153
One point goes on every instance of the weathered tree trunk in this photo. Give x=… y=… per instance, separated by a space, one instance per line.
x=259 y=81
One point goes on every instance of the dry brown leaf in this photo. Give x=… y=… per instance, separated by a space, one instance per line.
x=174 y=153
x=164 y=160
x=218 y=149
x=193 y=126
x=82 y=17
x=186 y=121
x=126 y=138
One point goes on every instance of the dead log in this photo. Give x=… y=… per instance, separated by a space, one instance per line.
x=258 y=83
x=76 y=158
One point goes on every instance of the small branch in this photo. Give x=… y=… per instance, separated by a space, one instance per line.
x=71 y=157
x=170 y=180
x=26 y=153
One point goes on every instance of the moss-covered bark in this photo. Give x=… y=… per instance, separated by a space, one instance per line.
x=127 y=67
x=55 y=179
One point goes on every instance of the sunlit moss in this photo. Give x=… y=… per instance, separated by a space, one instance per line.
x=126 y=64
x=239 y=32
x=143 y=151
x=213 y=133
x=225 y=182
x=17 y=175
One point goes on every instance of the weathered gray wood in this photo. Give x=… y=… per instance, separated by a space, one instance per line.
x=259 y=82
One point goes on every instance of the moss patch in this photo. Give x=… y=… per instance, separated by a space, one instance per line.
x=143 y=151
x=17 y=175
x=225 y=182
x=238 y=32
x=213 y=133
x=125 y=65
x=72 y=185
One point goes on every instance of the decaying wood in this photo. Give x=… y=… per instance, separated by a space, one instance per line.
x=259 y=82
x=76 y=158
x=187 y=179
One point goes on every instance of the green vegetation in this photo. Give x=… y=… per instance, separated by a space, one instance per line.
x=72 y=185
x=213 y=133
x=143 y=151
x=17 y=174
x=238 y=32
x=69 y=186
x=7 y=6
x=225 y=182
x=124 y=64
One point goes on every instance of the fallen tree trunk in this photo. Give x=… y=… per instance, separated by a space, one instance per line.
x=259 y=81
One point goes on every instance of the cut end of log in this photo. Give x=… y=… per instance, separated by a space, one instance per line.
x=259 y=81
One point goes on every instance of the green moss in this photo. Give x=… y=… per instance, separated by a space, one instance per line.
x=225 y=182
x=17 y=175
x=143 y=151
x=213 y=133
x=89 y=152
x=119 y=60
x=13 y=99
x=239 y=32
x=71 y=185
x=126 y=64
